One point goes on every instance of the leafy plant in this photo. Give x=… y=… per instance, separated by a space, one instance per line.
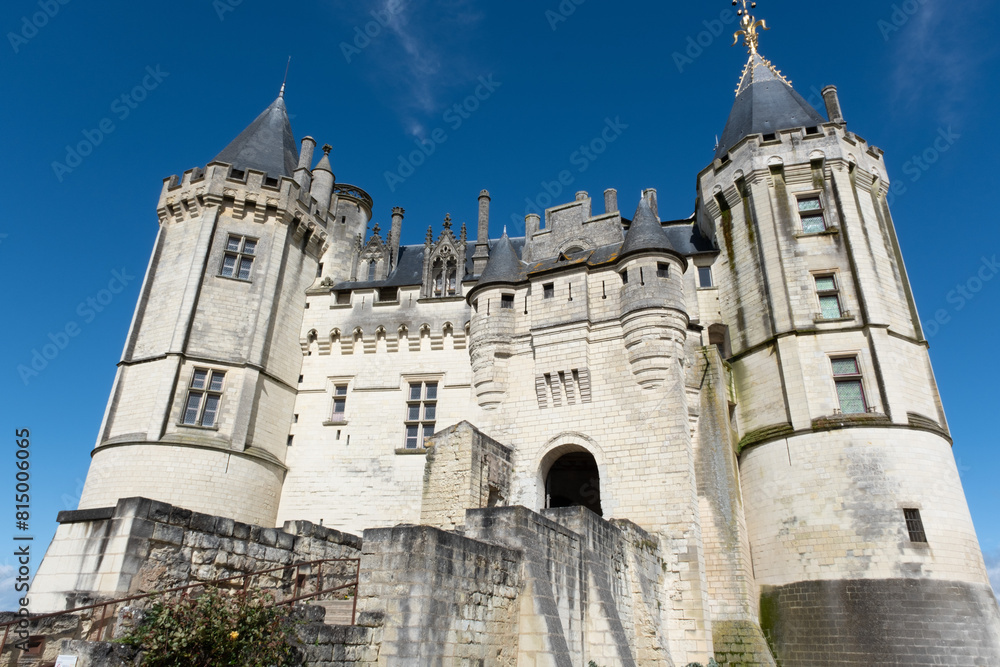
x=216 y=629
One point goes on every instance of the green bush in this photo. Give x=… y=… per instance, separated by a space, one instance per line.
x=216 y=629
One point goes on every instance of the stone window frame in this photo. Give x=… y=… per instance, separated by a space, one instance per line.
x=808 y=214
x=915 y=527
x=236 y=250
x=833 y=293
x=844 y=378
x=699 y=268
x=203 y=392
x=422 y=423
x=333 y=385
x=507 y=301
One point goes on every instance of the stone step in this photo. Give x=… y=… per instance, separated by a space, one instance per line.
x=338 y=612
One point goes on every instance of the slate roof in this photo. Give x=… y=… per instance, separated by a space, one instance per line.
x=645 y=232
x=683 y=236
x=765 y=103
x=267 y=144
x=504 y=266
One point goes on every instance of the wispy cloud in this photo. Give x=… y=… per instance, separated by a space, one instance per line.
x=993 y=568
x=937 y=63
x=427 y=52
x=8 y=596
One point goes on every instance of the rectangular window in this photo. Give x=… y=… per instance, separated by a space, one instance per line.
x=238 y=260
x=705 y=276
x=204 y=396
x=548 y=290
x=507 y=301
x=421 y=413
x=915 y=525
x=625 y=277
x=344 y=298
x=662 y=270
x=829 y=297
x=811 y=215
x=850 y=391
x=339 y=402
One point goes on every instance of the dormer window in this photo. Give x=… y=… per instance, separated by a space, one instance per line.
x=445 y=278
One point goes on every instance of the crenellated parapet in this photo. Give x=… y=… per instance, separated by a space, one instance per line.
x=243 y=195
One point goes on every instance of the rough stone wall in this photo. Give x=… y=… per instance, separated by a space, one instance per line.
x=897 y=622
x=591 y=589
x=465 y=470
x=732 y=591
x=142 y=546
x=440 y=598
x=830 y=505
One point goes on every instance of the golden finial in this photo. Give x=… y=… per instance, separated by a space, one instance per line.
x=749 y=25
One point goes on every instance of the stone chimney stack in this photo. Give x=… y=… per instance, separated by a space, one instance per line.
x=323 y=179
x=833 y=111
x=610 y=200
x=397 y=230
x=651 y=194
x=482 y=254
x=302 y=174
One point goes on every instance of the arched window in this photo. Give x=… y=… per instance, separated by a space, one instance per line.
x=452 y=280
x=371 y=270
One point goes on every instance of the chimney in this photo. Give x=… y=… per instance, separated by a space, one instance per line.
x=610 y=200
x=397 y=231
x=302 y=174
x=482 y=254
x=833 y=111
x=651 y=193
x=322 y=186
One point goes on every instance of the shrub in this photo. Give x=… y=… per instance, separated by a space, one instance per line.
x=216 y=629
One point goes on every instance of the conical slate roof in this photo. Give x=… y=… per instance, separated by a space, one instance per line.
x=267 y=145
x=765 y=103
x=645 y=232
x=503 y=266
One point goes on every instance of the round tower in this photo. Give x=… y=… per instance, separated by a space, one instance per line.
x=860 y=534
x=209 y=375
x=491 y=332
x=653 y=314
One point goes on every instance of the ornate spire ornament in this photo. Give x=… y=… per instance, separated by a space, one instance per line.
x=749 y=25
x=447 y=221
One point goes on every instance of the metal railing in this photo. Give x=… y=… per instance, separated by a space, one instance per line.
x=106 y=624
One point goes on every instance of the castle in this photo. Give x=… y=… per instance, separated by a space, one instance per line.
x=741 y=399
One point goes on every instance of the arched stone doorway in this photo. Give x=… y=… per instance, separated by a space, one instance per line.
x=574 y=480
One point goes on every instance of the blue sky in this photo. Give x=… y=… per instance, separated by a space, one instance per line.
x=159 y=88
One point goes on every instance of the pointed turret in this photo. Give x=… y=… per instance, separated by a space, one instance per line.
x=504 y=266
x=765 y=103
x=267 y=144
x=646 y=232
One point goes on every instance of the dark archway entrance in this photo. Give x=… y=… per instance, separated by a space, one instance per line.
x=573 y=481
